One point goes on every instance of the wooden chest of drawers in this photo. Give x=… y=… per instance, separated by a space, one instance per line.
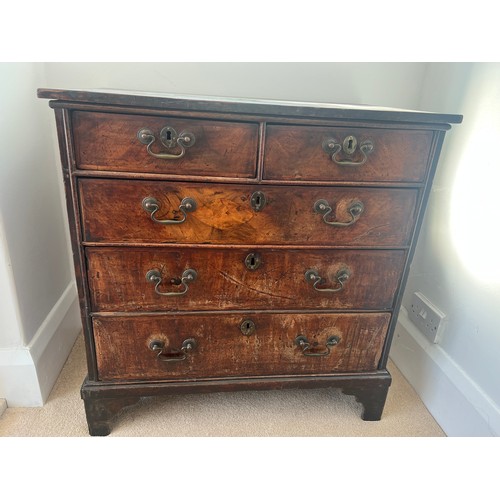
x=224 y=244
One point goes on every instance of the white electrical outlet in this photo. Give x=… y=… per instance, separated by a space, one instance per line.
x=428 y=318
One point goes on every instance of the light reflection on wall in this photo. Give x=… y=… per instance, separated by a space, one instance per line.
x=475 y=200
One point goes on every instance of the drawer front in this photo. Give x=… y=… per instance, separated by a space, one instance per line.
x=207 y=346
x=317 y=153
x=105 y=141
x=138 y=279
x=113 y=211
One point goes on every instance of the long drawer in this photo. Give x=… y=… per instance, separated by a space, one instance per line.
x=123 y=211
x=155 y=144
x=346 y=154
x=220 y=345
x=182 y=279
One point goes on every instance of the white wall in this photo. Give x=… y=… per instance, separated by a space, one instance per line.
x=36 y=280
x=385 y=84
x=30 y=200
x=456 y=264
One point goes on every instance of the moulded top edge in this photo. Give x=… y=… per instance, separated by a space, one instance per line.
x=246 y=105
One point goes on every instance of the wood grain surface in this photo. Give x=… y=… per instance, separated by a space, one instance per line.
x=105 y=141
x=123 y=353
x=243 y=149
x=296 y=153
x=112 y=212
x=117 y=279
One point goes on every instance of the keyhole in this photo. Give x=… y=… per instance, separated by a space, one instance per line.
x=349 y=144
x=258 y=201
x=253 y=261
x=168 y=136
x=247 y=327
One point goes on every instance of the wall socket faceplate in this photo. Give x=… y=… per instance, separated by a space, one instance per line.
x=428 y=318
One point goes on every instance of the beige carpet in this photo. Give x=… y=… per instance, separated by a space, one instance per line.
x=313 y=413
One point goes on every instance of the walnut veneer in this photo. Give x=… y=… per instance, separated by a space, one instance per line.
x=225 y=244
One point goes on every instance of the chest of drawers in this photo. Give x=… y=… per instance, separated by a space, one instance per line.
x=225 y=244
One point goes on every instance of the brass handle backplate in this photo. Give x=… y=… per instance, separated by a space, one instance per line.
x=175 y=355
x=169 y=139
x=152 y=205
x=314 y=277
x=348 y=148
x=154 y=276
x=355 y=209
x=308 y=348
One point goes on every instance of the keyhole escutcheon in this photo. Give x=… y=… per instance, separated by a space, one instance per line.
x=253 y=261
x=350 y=144
x=168 y=136
x=258 y=201
x=247 y=327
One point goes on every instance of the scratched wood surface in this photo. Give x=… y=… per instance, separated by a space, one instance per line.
x=296 y=153
x=116 y=243
x=106 y=141
x=123 y=352
x=112 y=212
x=117 y=279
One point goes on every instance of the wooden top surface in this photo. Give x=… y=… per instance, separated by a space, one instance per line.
x=246 y=106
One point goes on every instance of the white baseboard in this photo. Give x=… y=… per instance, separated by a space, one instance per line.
x=27 y=374
x=455 y=401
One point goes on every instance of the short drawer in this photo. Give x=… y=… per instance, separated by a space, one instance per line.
x=123 y=211
x=319 y=153
x=115 y=142
x=234 y=345
x=183 y=279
